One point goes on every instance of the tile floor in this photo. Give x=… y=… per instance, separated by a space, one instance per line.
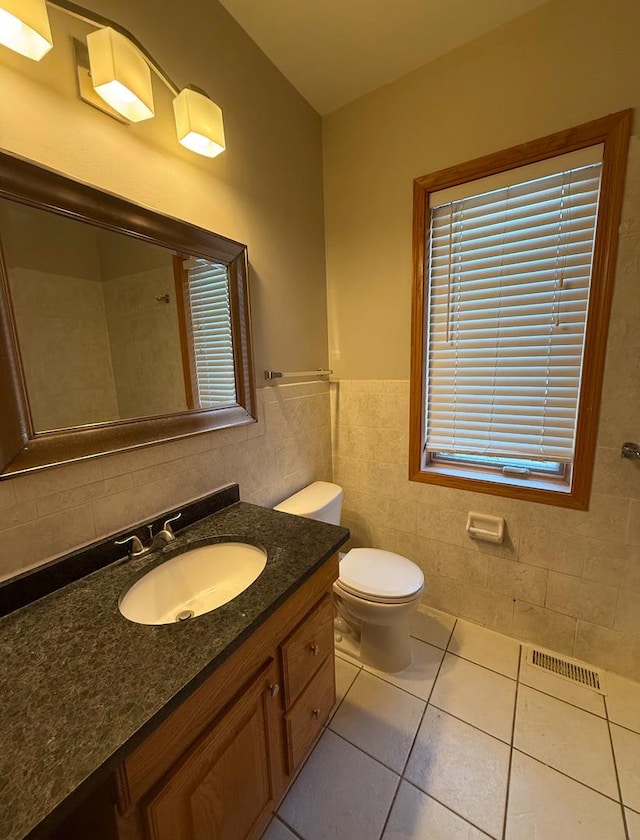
x=469 y=743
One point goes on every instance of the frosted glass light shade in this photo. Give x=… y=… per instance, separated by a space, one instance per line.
x=120 y=74
x=199 y=123
x=24 y=27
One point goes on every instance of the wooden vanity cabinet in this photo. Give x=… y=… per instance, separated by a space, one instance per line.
x=219 y=765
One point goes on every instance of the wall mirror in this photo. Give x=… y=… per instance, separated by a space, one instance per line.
x=120 y=327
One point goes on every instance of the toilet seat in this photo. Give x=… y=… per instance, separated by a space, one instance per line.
x=379 y=576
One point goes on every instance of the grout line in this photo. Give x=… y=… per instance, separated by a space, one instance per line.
x=393 y=802
x=364 y=752
x=486 y=667
x=562 y=700
x=621 y=726
x=566 y=702
x=566 y=775
x=424 y=711
x=615 y=767
x=287 y=826
x=513 y=734
x=472 y=725
x=448 y=807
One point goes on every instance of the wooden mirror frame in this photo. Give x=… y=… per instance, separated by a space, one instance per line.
x=22 y=448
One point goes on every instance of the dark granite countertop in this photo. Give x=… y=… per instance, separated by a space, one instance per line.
x=81 y=685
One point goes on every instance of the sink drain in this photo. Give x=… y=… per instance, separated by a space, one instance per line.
x=184 y=615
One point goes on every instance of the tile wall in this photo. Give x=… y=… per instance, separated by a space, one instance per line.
x=49 y=513
x=569 y=580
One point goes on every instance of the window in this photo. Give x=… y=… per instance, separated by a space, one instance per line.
x=205 y=327
x=514 y=260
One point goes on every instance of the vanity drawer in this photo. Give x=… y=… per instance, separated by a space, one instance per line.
x=310 y=713
x=306 y=649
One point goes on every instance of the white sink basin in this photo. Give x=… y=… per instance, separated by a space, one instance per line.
x=192 y=583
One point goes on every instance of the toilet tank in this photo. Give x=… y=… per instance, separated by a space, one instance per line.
x=320 y=500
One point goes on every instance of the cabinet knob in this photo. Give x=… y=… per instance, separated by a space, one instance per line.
x=274 y=689
x=316 y=713
x=315 y=649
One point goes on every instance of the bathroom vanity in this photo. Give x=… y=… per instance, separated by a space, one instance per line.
x=119 y=730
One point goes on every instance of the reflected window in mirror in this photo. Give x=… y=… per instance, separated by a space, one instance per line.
x=120 y=327
x=110 y=327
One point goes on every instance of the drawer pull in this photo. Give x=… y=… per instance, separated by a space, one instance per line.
x=274 y=689
x=316 y=713
x=315 y=649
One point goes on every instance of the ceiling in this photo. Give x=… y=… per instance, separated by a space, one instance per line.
x=334 y=51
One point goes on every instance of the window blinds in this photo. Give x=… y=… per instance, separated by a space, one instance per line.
x=208 y=289
x=509 y=273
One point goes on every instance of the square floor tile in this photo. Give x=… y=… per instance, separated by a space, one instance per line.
x=416 y=816
x=567 y=738
x=340 y=794
x=475 y=694
x=432 y=626
x=633 y=824
x=551 y=683
x=623 y=701
x=277 y=831
x=420 y=676
x=547 y=805
x=346 y=673
x=380 y=719
x=493 y=650
x=626 y=746
x=462 y=768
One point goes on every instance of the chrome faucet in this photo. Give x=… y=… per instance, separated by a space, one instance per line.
x=161 y=539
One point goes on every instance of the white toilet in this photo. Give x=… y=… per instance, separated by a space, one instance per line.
x=376 y=593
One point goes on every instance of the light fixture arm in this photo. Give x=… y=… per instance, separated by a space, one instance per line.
x=87 y=16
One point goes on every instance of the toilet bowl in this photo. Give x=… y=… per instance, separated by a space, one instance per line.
x=376 y=593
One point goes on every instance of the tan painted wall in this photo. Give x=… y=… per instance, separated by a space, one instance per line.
x=265 y=190
x=566 y=62
x=565 y=579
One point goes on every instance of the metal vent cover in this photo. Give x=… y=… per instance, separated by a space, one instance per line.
x=565 y=668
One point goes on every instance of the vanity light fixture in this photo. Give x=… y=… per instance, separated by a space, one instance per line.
x=120 y=74
x=24 y=27
x=199 y=122
x=118 y=69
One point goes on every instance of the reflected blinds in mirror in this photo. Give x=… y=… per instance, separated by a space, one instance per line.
x=206 y=289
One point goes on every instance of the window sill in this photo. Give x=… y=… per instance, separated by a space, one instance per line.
x=543 y=491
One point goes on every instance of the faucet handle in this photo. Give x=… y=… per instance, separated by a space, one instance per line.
x=167 y=525
x=137 y=549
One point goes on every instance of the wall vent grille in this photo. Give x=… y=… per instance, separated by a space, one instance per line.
x=566 y=669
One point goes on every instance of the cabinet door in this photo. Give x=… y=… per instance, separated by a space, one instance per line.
x=224 y=788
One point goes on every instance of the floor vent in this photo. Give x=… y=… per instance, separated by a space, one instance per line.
x=566 y=669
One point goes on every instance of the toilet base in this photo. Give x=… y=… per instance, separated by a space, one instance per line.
x=384 y=648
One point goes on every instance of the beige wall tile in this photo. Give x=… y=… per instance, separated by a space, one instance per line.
x=628 y=613
x=557 y=551
x=618 y=565
x=517 y=580
x=56 y=480
x=30 y=544
x=479 y=605
x=7 y=494
x=462 y=564
x=632 y=535
x=16 y=515
x=422 y=551
x=585 y=599
x=544 y=627
x=614 y=475
x=86 y=493
x=609 y=649
x=442 y=524
x=134 y=459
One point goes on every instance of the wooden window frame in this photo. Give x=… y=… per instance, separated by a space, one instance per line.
x=613 y=133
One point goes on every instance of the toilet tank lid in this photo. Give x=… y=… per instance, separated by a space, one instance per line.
x=379 y=573
x=311 y=499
